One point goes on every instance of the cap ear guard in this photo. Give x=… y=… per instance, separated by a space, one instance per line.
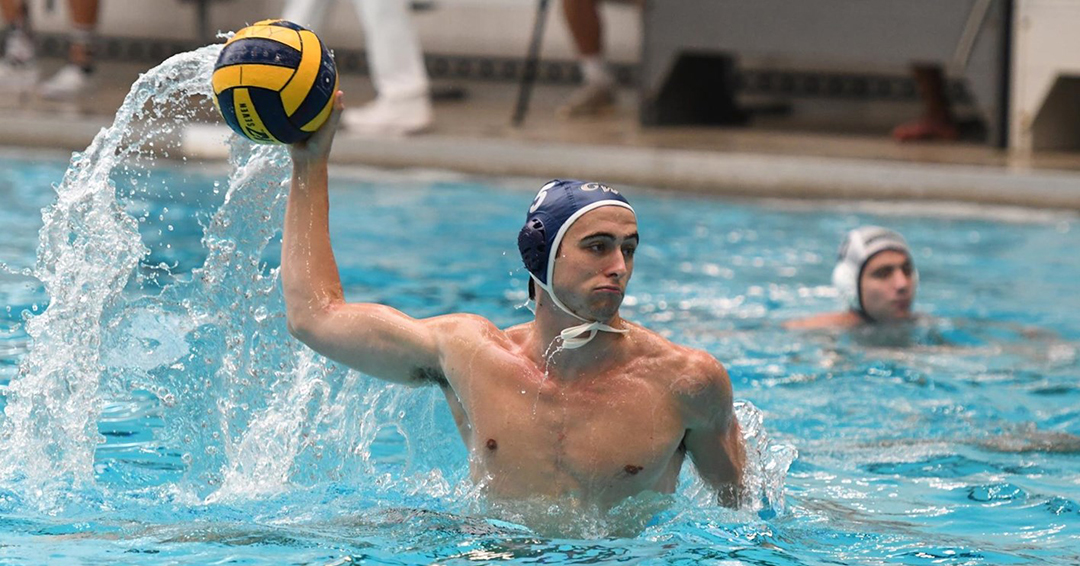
x=532 y=243
x=846 y=281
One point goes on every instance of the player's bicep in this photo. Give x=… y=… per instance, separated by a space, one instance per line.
x=713 y=438
x=719 y=456
x=376 y=340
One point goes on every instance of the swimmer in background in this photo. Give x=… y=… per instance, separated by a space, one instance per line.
x=876 y=278
x=578 y=406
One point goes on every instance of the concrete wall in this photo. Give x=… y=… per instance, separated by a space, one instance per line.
x=453 y=27
x=1046 y=75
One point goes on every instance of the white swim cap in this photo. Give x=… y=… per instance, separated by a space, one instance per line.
x=859 y=246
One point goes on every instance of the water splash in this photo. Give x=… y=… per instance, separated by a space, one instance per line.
x=89 y=249
x=205 y=347
x=767 y=463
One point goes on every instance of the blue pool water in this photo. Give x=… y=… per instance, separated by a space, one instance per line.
x=155 y=410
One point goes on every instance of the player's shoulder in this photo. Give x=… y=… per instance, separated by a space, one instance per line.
x=704 y=373
x=702 y=387
x=466 y=327
x=689 y=369
x=842 y=319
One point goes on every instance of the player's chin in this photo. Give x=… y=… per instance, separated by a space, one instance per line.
x=899 y=315
x=606 y=305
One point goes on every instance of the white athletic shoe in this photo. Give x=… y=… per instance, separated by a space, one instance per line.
x=69 y=82
x=394 y=117
x=18 y=68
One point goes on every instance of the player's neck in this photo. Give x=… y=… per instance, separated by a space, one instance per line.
x=549 y=343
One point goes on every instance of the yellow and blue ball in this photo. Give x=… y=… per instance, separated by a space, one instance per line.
x=274 y=82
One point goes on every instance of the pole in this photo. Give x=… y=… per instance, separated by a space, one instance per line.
x=532 y=61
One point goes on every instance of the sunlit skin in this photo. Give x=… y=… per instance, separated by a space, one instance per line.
x=589 y=426
x=887 y=286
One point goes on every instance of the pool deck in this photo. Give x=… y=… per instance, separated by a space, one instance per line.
x=850 y=157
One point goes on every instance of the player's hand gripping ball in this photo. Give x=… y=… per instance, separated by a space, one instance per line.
x=274 y=82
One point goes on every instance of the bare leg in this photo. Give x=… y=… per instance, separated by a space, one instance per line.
x=84 y=16
x=77 y=77
x=13 y=12
x=936 y=122
x=583 y=19
x=598 y=94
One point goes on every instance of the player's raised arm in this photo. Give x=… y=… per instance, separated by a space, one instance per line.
x=375 y=339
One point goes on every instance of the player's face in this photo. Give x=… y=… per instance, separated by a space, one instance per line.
x=595 y=261
x=888 y=286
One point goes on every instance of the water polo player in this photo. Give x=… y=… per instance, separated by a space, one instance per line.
x=876 y=278
x=578 y=405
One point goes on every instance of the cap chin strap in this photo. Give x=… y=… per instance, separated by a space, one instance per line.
x=572 y=337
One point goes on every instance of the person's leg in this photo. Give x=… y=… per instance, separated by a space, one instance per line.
x=18 y=46
x=308 y=13
x=74 y=78
x=936 y=122
x=396 y=61
x=13 y=12
x=586 y=28
x=84 y=17
x=583 y=20
x=393 y=49
x=18 y=68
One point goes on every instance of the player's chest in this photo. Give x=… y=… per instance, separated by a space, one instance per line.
x=614 y=426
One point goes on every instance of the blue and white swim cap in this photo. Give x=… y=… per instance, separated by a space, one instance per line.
x=858 y=247
x=556 y=207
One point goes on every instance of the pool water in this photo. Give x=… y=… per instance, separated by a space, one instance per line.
x=156 y=410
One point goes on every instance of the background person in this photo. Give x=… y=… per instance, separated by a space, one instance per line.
x=598 y=93
x=876 y=278
x=936 y=121
x=19 y=70
x=402 y=102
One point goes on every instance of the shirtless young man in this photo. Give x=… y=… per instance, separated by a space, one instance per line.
x=876 y=278
x=577 y=406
